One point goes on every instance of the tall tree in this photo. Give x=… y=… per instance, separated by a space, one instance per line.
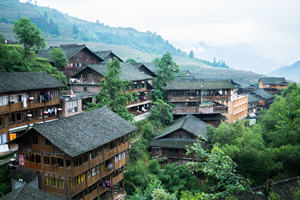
x=2 y=39
x=191 y=54
x=59 y=58
x=166 y=68
x=161 y=113
x=28 y=35
x=112 y=93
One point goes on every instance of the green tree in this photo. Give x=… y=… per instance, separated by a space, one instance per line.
x=112 y=93
x=130 y=60
x=161 y=113
x=28 y=35
x=161 y=194
x=166 y=68
x=59 y=58
x=220 y=169
x=2 y=39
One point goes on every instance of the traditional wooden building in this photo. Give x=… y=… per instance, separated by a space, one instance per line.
x=170 y=145
x=107 y=56
x=147 y=70
x=26 y=98
x=206 y=97
x=252 y=103
x=78 y=55
x=265 y=98
x=88 y=79
x=78 y=157
x=272 y=84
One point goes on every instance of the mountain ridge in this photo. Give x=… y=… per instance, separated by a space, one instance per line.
x=291 y=72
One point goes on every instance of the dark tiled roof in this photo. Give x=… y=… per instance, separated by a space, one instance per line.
x=25 y=81
x=273 y=80
x=105 y=54
x=140 y=66
x=69 y=49
x=151 y=67
x=28 y=192
x=129 y=72
x=174 y=143
x=262 y=94
x=188 y=123
x=198 y=85
x=25 y=174
x=252 y=98
x=84 y=132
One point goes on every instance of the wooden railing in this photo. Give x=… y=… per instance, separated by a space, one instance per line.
x=120 y=163
x=123 y=147
x=55 y=190
x=54 y=169
x=80 y=169
x=30 y=105
x=78 y=188
x=117 y=179
x=199 y=110
x=32 y=165
x=184 y=99
x=110 y=153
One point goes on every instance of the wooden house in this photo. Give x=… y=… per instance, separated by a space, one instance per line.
x=252 y=103
x=206 y=97
x=26 y=98
x=265 y=98
x=78 y=157
x=146 y=69
x=79 y=56
x=88 y=79
x=170 y=145
x=272 y=84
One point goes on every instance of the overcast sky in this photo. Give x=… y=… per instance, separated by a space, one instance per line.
x=250 y=34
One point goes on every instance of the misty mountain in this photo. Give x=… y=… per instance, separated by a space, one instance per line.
x=57 y=26
x=291 y=72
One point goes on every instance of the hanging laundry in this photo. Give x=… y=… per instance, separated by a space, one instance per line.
x=107 y=184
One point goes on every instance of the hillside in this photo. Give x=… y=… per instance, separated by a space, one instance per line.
x=291 y=72
x=57 y=26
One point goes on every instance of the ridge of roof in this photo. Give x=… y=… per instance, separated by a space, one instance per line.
x=26 y=81
x=197 y=84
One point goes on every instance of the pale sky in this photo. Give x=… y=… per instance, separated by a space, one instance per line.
x=258 y=35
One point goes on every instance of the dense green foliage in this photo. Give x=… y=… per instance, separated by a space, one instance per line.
x=130 y=60
x=45 y=24
x=59 y=58
x=11 y=60
x=5 y=186
x=2 y=39
x=28 y=35
x=270 y=148
x=141 y=172
x=161 y=113
x=166 y=68
x=219 y=168
x=112 y=91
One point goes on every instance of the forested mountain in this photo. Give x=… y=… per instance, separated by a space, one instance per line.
x=291 y=72
x=58 y=26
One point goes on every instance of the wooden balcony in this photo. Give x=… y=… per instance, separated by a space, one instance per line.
x=97 y=192
x=200 y=110
x=184 y=98
x=144 y=89
x=120 y=164
x=32 y=165
x=110 y=153
x=30 y=105
x=79 y=169
x=78 y=188
x=117 y=179
x=216 y=98
x=96 y=161
x=123 y=147
x=55 y=190
x=54 y=169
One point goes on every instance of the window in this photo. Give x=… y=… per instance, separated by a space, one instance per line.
x=68 y=163
x=191 y=93
x=72 y=106
x=3 y=100
x=84 y=88
x=60 y=162
x=19 y=116
x=14 y=98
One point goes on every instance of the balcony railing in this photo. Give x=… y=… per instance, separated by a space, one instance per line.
x=200 y=110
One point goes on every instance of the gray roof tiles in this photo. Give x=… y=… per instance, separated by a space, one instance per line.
x=105 y=54
x=84 y=132
x=262 y=94
x=26 y=81
x=129 y=72
x=273 y=80
x=188 y=123
x=28 y=192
